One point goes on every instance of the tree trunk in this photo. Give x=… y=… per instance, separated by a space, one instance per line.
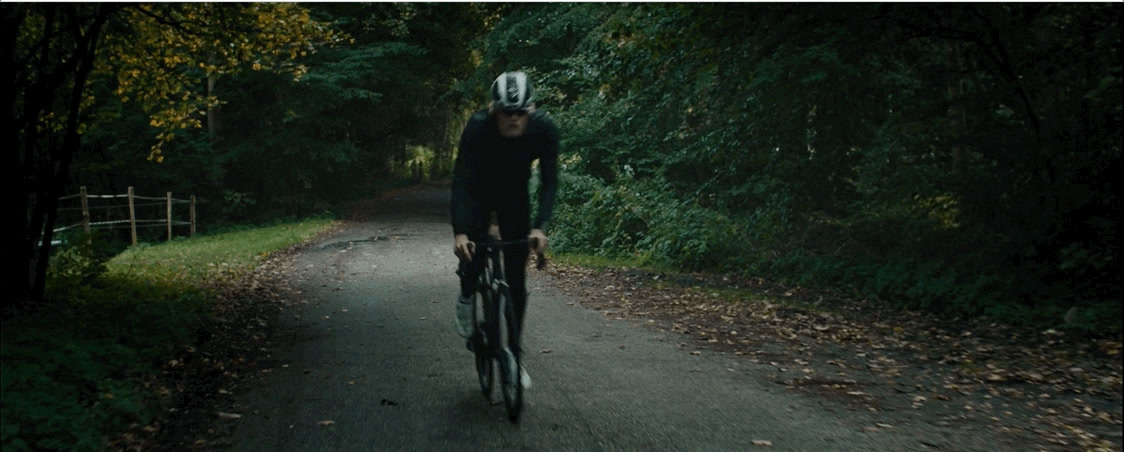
x=954 y=67
x=957 y=117
x=212 y=112
x=45 y=163
x=12 y=247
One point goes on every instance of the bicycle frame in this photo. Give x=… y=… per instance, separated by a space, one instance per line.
x=498 y=335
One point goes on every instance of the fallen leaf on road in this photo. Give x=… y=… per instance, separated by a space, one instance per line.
x=762 y=443
x=229 y=415
x=546 y=350
x=326 y=422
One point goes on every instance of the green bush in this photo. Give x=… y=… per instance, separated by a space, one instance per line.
x=80 y=259
x=642 y=219
x=74 y=372
x=69 y=377
x=79 y=370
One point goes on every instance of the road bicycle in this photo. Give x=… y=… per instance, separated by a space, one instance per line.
x=494 y=317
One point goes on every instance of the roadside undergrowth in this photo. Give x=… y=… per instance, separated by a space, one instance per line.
x=1030 y=389
x=99 y=366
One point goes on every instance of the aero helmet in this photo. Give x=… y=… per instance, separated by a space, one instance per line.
x=512 y=91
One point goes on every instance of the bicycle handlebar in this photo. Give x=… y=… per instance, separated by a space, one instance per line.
x=540 y=258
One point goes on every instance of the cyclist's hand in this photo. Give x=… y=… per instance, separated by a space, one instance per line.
x=541 y=236
x=464 y=248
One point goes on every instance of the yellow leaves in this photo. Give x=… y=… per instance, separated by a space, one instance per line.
x=148 y=62
x=300 y=71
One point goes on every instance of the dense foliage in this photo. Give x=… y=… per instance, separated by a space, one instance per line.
x=85 y=370
x=260 y=110
x=960 y=158
x=60 y=60
x=367 y=112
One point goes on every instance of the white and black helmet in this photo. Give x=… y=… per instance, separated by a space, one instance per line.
x=512 y=91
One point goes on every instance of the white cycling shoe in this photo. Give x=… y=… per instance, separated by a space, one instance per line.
x=524 y=379
x=465 y=306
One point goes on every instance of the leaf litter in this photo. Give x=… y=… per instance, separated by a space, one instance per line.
x=1031 y=390
x=201 y=383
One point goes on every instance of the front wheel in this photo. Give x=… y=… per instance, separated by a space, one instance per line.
x=512 y=386
x=485 y=367
x=485 y=364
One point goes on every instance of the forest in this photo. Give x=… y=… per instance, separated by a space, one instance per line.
x=956 y=158
x=959 y=161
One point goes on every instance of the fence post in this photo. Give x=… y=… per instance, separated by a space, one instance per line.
x=85 y=210
x=169 y=216
x=132 y=216
x=193 y=215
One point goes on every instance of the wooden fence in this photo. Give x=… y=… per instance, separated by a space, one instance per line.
x=132 y=222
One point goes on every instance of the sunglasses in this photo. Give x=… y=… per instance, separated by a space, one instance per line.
x=515 y=113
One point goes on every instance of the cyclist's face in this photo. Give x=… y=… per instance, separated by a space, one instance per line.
x=512 y=125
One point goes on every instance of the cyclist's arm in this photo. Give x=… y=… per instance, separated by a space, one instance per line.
x=460 y=207
x=548 y=177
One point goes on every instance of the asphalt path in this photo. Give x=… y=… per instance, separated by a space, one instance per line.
x=374 y=363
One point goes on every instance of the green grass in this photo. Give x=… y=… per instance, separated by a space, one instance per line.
x=231 y=253
x=602 y=262
x=80 y=371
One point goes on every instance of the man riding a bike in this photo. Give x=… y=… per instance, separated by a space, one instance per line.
x=493 y=167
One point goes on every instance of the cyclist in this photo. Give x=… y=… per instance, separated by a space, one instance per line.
x=492 y=171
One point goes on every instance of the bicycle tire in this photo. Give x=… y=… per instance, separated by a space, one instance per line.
x=485 y=354
x=485 y=365
x=511 y=386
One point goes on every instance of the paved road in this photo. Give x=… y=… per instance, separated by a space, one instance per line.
x=376 y=354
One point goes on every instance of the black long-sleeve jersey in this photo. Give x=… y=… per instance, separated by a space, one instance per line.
x=492 y=172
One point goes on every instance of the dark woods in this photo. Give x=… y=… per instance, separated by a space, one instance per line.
x=962 y=158
x=958 y=158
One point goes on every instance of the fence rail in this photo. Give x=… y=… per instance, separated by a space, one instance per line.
x=133 y=222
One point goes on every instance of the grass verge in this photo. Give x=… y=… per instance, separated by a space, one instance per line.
x=601 y=262
x=712 y=285
x=84 y=367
